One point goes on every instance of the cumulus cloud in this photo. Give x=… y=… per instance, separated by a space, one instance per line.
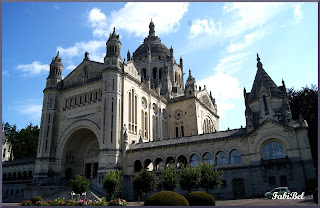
x=5 y=73
x=223 y=87
x=34 y=69
x=135 y=17
x=95 y=48
x=70 y=67
x=298 y=14
x=98 y=22
x=200 y=26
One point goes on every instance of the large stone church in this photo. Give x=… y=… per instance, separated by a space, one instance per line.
x=137 y=112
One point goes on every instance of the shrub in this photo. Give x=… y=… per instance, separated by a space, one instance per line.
x=166 y=198
x=315 y=196
x=111 y=183
x=169 y=179
x=36 y=199
x=80 y=184
x=117 y=202
x=26 y=203
x=199 y=198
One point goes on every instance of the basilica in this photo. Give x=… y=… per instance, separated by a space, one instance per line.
x=137 y=112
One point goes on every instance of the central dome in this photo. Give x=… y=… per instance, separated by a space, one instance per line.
x=154 y=43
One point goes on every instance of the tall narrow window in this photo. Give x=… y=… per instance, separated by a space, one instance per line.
x=112 y=105
x=129 y=111
x=49 y=118
x=142 y=123
x=182 y=133
x=112 y=84
x=133 y=109
x=265 y=105
x=146 y=124
x=135 y=112
x=177 y=132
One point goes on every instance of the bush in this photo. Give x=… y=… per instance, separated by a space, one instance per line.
x=315 y=196
x=35 y=199
x=112 y=183
x=199 y=198
x=166 y=198
x=80 y=184
x=117 y=202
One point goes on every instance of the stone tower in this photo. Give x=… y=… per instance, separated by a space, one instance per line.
x=266 y=101
x=110 y=155
x=45 y=169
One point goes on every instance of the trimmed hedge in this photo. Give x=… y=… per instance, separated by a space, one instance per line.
x=315 y=196
x=166 y=198
x=35 y=199
x=199 y=198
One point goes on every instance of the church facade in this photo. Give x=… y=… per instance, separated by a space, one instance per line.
x=138 y=113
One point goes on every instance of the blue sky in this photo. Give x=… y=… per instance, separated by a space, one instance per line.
x=217 y=41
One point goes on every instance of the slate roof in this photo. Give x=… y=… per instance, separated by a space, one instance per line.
x=262 y=78
x=188 y=140
x=17 y=162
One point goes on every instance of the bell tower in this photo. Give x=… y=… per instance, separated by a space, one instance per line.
x=113 y=48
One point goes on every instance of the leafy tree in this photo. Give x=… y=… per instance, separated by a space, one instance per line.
x=210 y=178
x=169 y=179
x=24 y=142
x=112 y=183
x=304 y=102
x=190 y=177
x=80 y=184
x=144 y=182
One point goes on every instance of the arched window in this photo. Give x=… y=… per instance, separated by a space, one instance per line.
x=158 y=164
x=154 y=73
x=144 y=73
x=194 y=160
x=208 y=158
x=170 y=162
x=137 y=166
x=182 y=160
x=221 y=158
x=207 y=125
x=273 y=150
x=148 y=165
x=235 y=157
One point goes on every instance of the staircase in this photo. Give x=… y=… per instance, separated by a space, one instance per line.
x=66 y=194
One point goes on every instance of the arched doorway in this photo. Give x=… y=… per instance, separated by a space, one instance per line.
x=80 y=154
x=238 y=188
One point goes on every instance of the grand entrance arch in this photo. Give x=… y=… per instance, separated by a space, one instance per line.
x=78 y=152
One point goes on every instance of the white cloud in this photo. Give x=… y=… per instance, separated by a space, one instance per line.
x=249 y=15
x=5 y=73
x=34 y=69
x=223 y=87
x=95 y=48
x=200 y=26
x=30 y=108
x=231 y=63
x=248 y=40
x=70 y=67
x=298 y=14
x=98 y=21
x=135 y=17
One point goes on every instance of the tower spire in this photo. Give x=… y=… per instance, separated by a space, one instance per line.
x=259 y=64
x=151 y=29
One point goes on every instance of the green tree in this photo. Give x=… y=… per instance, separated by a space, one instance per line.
x=189 y=177
x=112 y=183
x=80 y=184
x=304 y=102
x=24 y=142
x=169 y=179
x=144 y=182
x=210 y=178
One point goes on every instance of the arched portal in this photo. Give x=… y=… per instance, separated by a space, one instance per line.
x=80 y=154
